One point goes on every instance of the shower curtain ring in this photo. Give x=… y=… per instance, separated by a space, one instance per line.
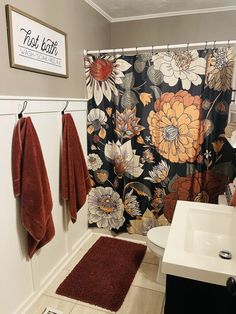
x=229 y=44
x=99 y=52
x=187 y=46
x=123 y=51
x=214 y=47
x=152 y=50
x=114 y=52
x=168 y=49
x=205 y=45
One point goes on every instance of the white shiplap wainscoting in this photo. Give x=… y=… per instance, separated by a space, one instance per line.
x=23 y=280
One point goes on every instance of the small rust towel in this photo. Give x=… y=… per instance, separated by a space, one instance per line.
x=30 y=183
x=75 y=179
x=233 y=199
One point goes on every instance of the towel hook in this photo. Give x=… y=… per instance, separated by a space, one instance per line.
x=168 y=48
x=152 y=50
x=20 y=115
x=214 y=47
x=63 y=111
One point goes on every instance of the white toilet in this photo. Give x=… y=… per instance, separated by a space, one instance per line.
x=156 y=242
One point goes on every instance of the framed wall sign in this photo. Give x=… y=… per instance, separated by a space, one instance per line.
x=34 y=45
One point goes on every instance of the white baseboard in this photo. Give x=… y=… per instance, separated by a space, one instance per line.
x=52 y=275
x=77 y=246
x=122 y=236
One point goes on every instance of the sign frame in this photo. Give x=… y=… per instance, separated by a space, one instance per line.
x=35 y=45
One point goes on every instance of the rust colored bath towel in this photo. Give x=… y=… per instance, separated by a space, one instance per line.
x=75 y=179
x=30 y=183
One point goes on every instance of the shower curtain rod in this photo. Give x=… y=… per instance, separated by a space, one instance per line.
x=152 y=48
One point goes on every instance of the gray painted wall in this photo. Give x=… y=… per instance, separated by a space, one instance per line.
x=85 y=28
x=175 y=29
x=88 y=29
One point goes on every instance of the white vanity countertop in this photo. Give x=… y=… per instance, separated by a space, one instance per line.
x=198 y=232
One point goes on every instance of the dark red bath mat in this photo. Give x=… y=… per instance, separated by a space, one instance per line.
x=104 y=274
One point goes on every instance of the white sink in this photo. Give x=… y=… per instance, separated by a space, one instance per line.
x=198 y=233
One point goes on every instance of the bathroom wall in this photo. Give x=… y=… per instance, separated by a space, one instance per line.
x=85 y=29
x=175 y=29
x=22 y=279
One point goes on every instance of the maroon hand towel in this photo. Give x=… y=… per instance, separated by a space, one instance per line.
x=30 y=183
x=75 y=179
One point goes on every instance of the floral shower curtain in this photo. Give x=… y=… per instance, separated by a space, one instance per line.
x=156 y=134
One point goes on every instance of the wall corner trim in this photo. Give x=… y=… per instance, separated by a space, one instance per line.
x=99 y=10
x=158 y=15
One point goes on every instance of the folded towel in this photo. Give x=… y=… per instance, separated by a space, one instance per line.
x=75 y=179
x=30 y=183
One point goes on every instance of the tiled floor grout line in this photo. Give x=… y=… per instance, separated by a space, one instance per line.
x=76 y=302
x=149 y=263
x=148 y=289
x=93 y=306
x=61 y=298
x=73 y=308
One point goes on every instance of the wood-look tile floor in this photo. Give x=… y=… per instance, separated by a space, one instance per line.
x=145 y=296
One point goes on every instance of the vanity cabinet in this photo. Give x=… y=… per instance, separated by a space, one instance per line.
x=186 y=296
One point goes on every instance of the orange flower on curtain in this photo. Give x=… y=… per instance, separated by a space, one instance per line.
x=175 y=126
x=199 y=187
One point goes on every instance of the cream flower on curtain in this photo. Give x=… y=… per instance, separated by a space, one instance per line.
x=105 y=208
x=220 y=66
x=159 y=173
x=97 y=122
x=131 y=204
x=125 y=161
x=94 y=162
x=176 y=128
x=142 y=225
x=184 y=65
x=102 y=75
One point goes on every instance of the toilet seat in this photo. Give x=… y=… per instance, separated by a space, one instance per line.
x=159 y=235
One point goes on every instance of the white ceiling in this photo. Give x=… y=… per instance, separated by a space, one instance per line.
x=126 y=10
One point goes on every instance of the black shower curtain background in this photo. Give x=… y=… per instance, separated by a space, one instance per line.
x=156 y=134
